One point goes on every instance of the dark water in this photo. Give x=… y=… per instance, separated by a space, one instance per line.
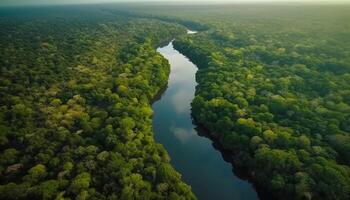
x=201 y=165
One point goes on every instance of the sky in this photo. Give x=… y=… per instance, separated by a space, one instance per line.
x=52 y=2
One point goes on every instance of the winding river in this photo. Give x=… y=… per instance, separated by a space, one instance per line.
x=201 y=165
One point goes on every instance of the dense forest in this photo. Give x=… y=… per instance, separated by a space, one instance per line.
x=274 y=90
x=76 y=84
x=75 y=91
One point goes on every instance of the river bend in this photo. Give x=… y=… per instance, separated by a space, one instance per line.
x=201 y=165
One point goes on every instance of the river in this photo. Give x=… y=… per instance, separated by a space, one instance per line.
x=201 y=165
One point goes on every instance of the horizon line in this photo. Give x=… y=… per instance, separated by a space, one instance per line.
x=241 y=2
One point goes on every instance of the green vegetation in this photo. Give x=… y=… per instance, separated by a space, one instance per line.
x=274 y=89
x=76 y=85
x=75 y=116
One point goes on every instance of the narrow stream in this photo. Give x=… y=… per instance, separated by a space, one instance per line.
x=201 y=165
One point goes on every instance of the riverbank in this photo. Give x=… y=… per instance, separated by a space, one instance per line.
x=202 y=166
x=231 y=157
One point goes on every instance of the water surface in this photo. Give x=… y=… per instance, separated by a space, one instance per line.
x=201 y=165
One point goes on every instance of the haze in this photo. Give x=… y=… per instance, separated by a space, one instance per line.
x=53 y=2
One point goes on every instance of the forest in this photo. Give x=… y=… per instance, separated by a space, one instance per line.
x=274 y=90
x=77 y=84
x=75 y=91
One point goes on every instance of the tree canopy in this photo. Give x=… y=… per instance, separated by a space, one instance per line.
x=75 y=91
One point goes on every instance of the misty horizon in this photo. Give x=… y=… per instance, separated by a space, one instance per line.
x=75 y=2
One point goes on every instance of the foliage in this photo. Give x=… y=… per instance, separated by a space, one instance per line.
x=75 y=91
x=273 y=87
